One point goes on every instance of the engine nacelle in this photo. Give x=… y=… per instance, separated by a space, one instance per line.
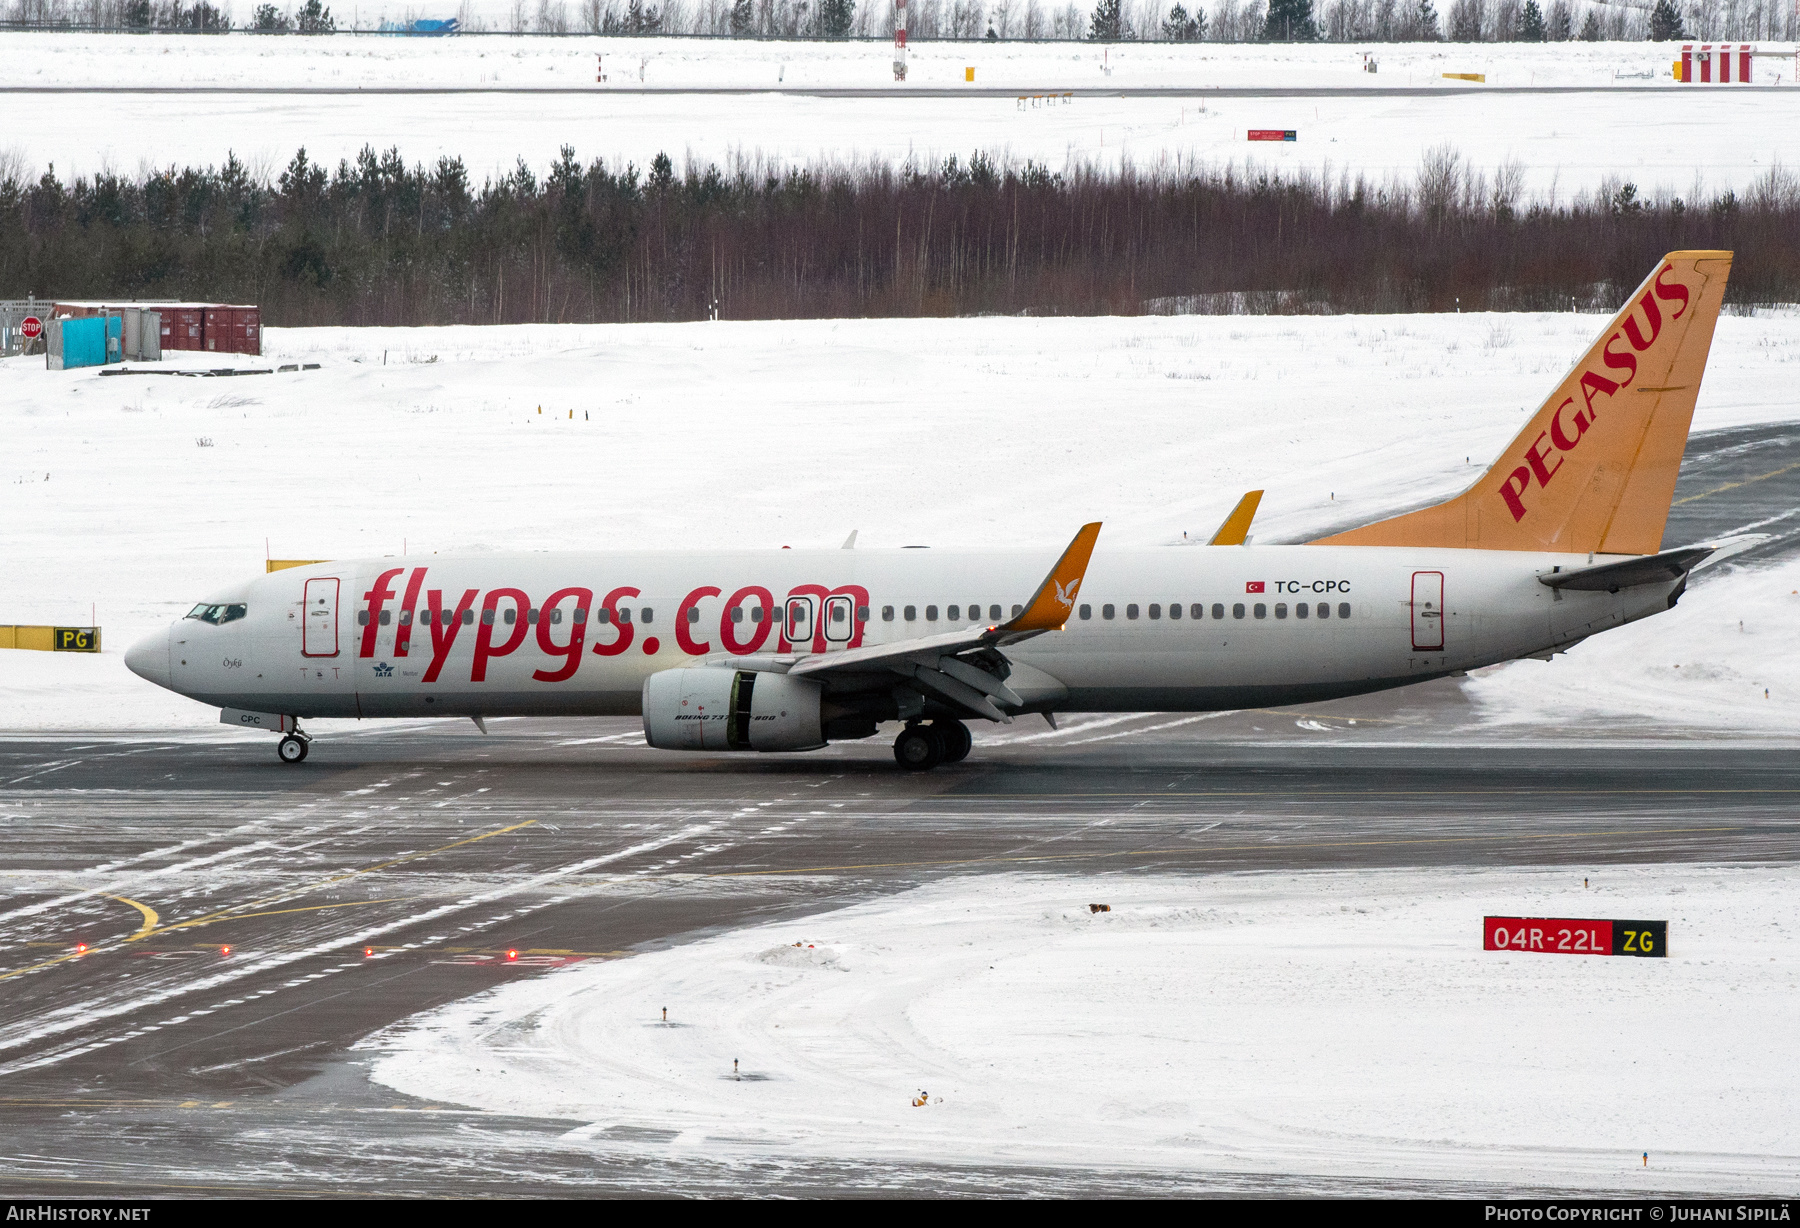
x=731 y=709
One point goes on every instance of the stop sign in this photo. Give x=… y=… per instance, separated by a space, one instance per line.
x=31 y=328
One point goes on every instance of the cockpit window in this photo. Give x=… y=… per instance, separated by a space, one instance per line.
x=217 y=615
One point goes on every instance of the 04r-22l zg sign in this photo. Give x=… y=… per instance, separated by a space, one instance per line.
x=1562 y=936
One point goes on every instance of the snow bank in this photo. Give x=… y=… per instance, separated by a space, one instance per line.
x=912 y=431
x=1332 y=1023
x=1686 y=140
x=1726 y=658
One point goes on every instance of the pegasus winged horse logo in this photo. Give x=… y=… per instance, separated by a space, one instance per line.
x=1065 y=594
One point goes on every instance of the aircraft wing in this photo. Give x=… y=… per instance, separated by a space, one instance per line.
x=962 y=667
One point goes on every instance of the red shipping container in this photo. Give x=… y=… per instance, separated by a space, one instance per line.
x=180 y=327
x=233 y=330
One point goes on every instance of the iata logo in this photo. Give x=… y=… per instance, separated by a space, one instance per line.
x=383 y=669
x=1569 y=426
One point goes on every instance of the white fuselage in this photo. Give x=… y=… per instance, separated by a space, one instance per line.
x=329 y=640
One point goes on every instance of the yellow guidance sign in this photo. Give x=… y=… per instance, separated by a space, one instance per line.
x=50 y=639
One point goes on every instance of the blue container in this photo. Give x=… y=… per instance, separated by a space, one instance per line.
x=84 y=342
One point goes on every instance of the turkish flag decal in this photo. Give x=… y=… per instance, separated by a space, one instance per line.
x=1253 y=586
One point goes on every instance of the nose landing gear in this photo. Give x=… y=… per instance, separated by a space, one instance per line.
x=292 y=747
x=919 y=748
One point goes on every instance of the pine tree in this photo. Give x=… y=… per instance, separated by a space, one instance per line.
x=1427 y=20
x=743 y=18
x=1590 y=29
x=1180 y=28
x=269 y=20
x=1531 y=23
x=314 y=18
x=1665 y=22
x=835 y=17
x=1561 y=23
x=1290 y=21
x=1108 y=22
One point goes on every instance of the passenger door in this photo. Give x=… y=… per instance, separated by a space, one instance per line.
x=1428 y=611
x=318 y=626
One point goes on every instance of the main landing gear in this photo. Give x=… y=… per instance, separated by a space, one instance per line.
x=921 y=747
x=292 y=747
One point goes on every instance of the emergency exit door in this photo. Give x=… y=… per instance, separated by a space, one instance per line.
x=318 y=626
x=800 y=623
x=1428 y=611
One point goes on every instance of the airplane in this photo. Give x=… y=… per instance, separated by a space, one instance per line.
x=790 y=650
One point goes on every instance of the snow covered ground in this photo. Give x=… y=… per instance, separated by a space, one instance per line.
x=1685 y=140
x=1330 y=1023
x=919 y=431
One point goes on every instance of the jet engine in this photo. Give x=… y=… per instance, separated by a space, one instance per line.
x=732 y=709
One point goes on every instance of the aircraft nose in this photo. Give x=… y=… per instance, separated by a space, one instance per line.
x=149 y=658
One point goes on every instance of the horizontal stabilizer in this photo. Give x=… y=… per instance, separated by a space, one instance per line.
x=1611 y=577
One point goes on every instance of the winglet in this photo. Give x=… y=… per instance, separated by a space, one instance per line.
x=1237 y=525
x=1055 y=599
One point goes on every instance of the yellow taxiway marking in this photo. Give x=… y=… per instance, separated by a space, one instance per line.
x=226 y=913
x=1223 y=848
x=233 y=911
x=1773 y=473
x=149 y=926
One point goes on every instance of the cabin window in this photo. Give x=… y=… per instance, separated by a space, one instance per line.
x=1218 y=610
x=1261 y=610
x=1018 y=610
x=1174 y=610
x=1155 y=610
x=1324 y=609
x=1301 y=610
x=468 y=618
x=1343 y=609
x=1131 y=611
x=603 y=615
x=1281 y=609
x=835 y=611
x=406 y=618
x=757 y=614
x=994 y=612
x=511 y=616
x=954 y=614
x=531 y=616
x=737 y=613
x=1106 y=611
x=1087 y=611
x=930 y=613
x=387 y=616
x=647 y=615
x=624 y=614
x=580 y=614
x=911 y=612
x=362 y=618
x=887 y=613
x=693 y=613
x=487 y=618
x=1237 y=611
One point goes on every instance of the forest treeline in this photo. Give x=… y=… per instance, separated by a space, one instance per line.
x=378 y=241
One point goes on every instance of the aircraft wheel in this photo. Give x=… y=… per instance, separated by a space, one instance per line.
x=918 y=748
x=956 y=738
x=291 y=749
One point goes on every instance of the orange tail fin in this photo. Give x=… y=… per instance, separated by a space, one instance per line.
x=1595 y=468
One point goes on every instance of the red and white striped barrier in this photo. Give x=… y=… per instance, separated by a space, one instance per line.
x=1717 y=63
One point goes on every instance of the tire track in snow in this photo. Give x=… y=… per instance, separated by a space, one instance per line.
x=92 y=1015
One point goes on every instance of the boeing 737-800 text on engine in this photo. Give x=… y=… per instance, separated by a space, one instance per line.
x=786 y=650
